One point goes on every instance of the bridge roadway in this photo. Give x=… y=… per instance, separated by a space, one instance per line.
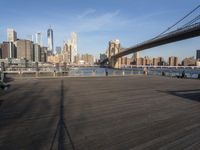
x=101 y=113
x=174 y=36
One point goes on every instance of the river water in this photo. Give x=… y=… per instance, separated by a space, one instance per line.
x=172 y=72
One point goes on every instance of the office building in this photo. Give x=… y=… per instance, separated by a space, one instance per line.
x=198 y=54
x=24 y=49
x=136 y=59
x=67 y=53
x=147 y=61
x=38 y=38
x=72 y=45
x=76 y=59
x=136 y=55
x=5 y=50
x=173 y=61
x=36 y=53
x=43 y=54
x=159 y=61
x=125 y=61
x=189 y=61
x=8 y=50
x=140 y=61
x=11 y=35
x=50 y=40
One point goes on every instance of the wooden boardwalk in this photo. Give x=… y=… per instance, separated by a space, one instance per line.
x=103 y=113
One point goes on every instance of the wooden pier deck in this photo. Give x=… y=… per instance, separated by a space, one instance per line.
x=101 y=113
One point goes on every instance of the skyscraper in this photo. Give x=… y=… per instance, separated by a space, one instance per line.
x=11 y=35
x=36 y=53
x=72 y=47
x=198 y=54
x=72 y=43
x=50 y=40
x=38 y=38
x=67 y=53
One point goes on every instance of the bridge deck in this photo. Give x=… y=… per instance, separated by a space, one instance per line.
x=101 y=113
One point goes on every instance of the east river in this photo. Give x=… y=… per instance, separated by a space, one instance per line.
x=171 y=72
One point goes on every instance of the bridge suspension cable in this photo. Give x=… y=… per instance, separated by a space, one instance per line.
x=192 y=21
x=169 y=28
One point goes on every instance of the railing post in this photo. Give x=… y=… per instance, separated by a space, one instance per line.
x=36 y=69
x=2 y=71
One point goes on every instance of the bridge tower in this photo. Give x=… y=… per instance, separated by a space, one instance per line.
x=114 y=48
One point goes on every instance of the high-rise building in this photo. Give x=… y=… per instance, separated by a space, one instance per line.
x=72 y=43
x=136 y=57
x=140 y=61
x=198 y=54
x=36 y=53
x=11 y=35
x=76 y=59
x=50 y=40
x=147 y=61
x=161 y=61
x=24 y=49
x=43 y=54
x=158 y=61
x=38 y=38
x=173 y=61
x=126 y=61
x=67 y=53
x=8 y=50
x=5 y=50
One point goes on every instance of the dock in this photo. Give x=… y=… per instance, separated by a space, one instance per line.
x=101 y=113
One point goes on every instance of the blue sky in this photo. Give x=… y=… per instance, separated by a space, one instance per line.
x=97 y=22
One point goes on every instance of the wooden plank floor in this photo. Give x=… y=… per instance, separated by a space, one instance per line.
x=103 y=113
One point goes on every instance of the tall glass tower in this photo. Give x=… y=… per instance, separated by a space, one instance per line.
x=38 y=38
x=50 y=40
x=198 y=54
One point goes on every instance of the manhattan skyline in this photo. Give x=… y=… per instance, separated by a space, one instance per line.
x=96 y=23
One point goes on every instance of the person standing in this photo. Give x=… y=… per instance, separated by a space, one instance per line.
x=145 y=71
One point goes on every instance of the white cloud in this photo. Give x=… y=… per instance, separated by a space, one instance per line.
x=87 y=12
x=106 y=21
